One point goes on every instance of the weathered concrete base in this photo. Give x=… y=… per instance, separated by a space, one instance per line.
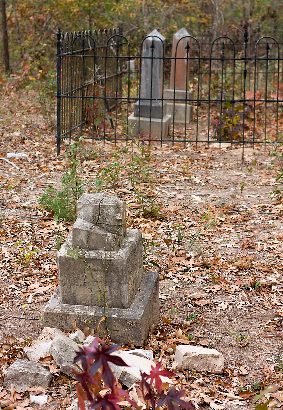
x=182 y=110
x=180 y=113
x=92 y=277
x=177 y=95
x=130 y=325
x=156 y=127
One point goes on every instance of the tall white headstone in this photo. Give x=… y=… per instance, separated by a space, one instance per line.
x=150 y=109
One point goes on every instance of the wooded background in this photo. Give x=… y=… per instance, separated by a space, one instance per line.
x=31 y=26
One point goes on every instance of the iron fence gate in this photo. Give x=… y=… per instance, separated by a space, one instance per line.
x=230 y=92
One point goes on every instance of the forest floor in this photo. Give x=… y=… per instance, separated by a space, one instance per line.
x=211 y=228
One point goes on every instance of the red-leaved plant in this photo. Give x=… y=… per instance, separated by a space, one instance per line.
x=97 y=387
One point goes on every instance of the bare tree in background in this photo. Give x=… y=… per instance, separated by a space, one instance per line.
x=5 y=41
x=217 y=18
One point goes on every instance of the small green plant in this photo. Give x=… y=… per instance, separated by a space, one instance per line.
x=173 y=312
x=59 y=240
x=193 y=240
x=75 y=253
x=277 y=194
x=180 y=234
x=208 y=219
x=149 y=206
x=63 y=203
x=190 y=336
x=242 y=338
x=242 y=186
x=256 y=285
x=108 y=176
x=26 y=253
x=228 y=125
x=192 y=316
x=139 y=169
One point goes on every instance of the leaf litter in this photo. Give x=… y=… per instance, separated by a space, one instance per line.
x=214 y=234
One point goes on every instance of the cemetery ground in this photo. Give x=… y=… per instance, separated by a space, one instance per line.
x=212 y=228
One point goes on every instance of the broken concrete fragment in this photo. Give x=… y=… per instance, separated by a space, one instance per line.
x=105 y=211
x=89 y=340
x=18 y=155
x=40 y=399
x=38 y=350
x=23 y=374
x=131 y=374
x=78 y=336
x=63 y=350
x=50 y=333
x=147 y=354
x=199 y=358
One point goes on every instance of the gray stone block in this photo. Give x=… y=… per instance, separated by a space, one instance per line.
x=78 y=336
x=38 y=350
x=104 y=211
x=153 y=109
x=63 y=349
x=199 y=358
x=101 y=278
x=178 y=106
x=130 y=325
x=155 y=127
x=180 y=113
x=23 y=374
x=177 y=95
x=90 y=237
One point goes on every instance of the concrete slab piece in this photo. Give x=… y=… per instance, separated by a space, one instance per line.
x=178 y=95
x=180 y=113
x=130 y=325
x=90 y=237
x=156 y=128
x=105 y=211
x=94 y=277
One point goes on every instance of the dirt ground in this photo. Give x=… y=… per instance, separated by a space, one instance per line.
x=213 y=231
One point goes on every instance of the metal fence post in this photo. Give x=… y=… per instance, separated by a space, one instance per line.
x=58 y=95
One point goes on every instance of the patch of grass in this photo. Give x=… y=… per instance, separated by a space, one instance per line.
x=193 y=240
x=192 y=316
x=26 y=253
x=256 y=285
x=139 y=169
x=242 y=339
x=108 y=176
x=62 y=204
x=150 y=207
x=208 y=219
x=59 y=240
x=279 y=362
x=242 y=186
x=75 y=253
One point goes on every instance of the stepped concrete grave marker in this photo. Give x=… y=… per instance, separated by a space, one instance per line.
x=101 y=275
x=177 y=94
x=150 y=111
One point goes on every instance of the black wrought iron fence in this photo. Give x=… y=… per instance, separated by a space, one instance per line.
x=108 y=91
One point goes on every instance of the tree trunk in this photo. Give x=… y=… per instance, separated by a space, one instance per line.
x=6 y=59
